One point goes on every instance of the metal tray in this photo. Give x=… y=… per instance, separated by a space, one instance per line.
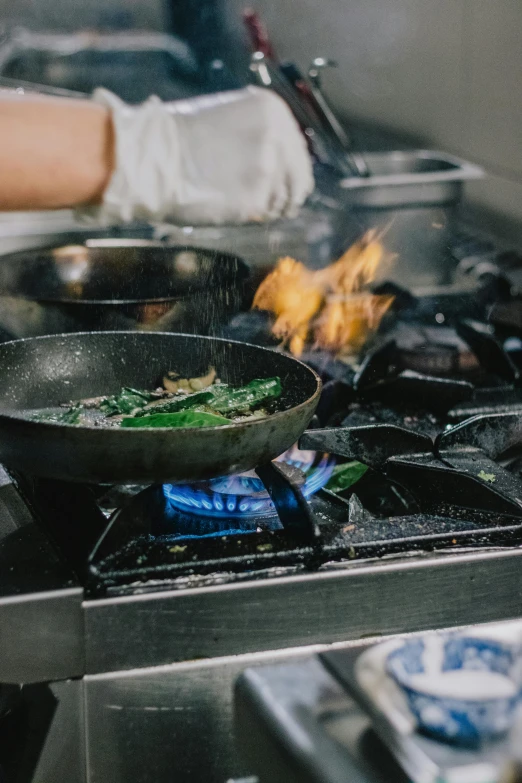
x=404 y=178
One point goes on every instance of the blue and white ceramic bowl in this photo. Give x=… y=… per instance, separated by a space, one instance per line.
x=459 y=688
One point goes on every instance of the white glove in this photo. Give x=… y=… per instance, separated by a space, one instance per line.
x=230 y=157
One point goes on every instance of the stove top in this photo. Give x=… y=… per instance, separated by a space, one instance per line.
x=419 y=493
x=136 y=607
x=431 y=419
x=434 y=479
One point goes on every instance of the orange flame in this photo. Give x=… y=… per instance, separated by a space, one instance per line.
x=327 y=308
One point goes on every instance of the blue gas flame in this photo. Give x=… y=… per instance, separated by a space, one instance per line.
x=244 y=495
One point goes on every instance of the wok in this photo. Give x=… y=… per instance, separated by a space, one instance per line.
x=118 y=284
x=47 y=371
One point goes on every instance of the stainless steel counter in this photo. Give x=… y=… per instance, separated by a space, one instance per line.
x=341 y=603
x=155 y=687
x=161 y=669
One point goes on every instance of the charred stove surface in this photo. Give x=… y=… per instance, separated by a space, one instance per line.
x=433 y=493
x=347 y=531
x=437 y=477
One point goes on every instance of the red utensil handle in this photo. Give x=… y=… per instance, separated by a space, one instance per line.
x=258 y=34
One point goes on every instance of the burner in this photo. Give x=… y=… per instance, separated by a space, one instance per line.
x=433 y=350
x=244 y=495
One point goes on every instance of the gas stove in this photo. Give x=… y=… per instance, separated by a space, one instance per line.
x=434 y=411
x=136 y=607
x=428 y=486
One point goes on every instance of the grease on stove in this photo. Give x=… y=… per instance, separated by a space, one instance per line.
x=349 y=533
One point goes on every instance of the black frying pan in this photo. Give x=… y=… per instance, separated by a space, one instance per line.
x=118 y=284
x=47 y=371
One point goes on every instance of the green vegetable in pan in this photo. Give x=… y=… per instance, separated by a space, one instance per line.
x=221 y=398
x=214 y=406
x=125 y=402
x=245 y=398
x=68 y=416
x=181 y=419
x=195 y=401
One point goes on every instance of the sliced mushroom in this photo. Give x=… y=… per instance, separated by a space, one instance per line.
x=173 y=383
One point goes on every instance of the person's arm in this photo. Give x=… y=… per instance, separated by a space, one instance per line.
x=230 y=157
x=54 y=152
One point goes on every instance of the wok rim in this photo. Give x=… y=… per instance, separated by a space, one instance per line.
x=243 y=271
x=62 y=426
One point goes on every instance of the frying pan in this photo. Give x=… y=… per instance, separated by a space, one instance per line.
x=118 y=284
x=47 y=371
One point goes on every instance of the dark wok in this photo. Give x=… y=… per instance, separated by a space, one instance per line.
x=47 y=371
x=118 y=284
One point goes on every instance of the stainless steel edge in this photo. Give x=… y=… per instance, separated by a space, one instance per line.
x=62 y=755
x=170 y=723
x=346 y=603
x=280 y=716
x=41 y=636
x=176 y=722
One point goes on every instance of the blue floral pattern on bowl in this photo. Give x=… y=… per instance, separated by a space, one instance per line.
x=455 y=719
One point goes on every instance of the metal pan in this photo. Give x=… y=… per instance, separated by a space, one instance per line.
x=47 y=371
x=118 y=284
